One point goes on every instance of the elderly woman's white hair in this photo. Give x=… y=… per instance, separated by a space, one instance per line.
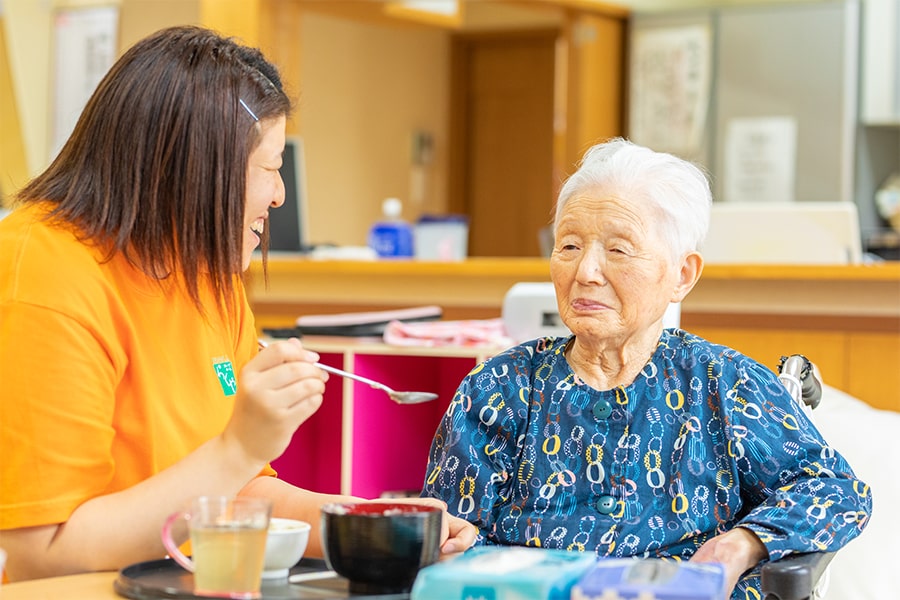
x=637 y=174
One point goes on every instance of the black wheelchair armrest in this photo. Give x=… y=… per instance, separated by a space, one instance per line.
x=795 y=576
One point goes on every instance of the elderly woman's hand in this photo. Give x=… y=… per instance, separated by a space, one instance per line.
x=461 y=535
x=737 y=550
x=457 y=535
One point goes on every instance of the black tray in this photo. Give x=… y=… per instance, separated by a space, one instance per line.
x=165 y=578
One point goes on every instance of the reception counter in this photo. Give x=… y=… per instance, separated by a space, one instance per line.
x=845 y=318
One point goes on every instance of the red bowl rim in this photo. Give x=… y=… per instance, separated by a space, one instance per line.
x=377 y=509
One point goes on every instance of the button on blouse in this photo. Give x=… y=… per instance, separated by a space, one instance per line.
x=605 y=505
x=602 y=409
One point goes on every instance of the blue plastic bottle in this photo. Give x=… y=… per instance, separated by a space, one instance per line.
x=392 y=237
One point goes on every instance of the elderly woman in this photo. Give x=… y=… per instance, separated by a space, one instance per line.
x=628 y=439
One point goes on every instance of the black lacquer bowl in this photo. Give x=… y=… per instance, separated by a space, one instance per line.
x=380 y=546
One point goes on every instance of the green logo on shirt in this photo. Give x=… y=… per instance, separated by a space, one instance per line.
x=225 y=373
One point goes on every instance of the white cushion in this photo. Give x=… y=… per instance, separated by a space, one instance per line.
x=867 y=568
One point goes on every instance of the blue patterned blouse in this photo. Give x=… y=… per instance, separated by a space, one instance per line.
x=703 y=440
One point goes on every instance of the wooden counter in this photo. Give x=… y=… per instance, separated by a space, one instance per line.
x=469 y=289
x=845 y=318
x=476 y=287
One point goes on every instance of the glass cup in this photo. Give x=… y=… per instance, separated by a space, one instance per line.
x=228 y=544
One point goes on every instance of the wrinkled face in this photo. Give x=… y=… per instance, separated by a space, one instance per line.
x=265 y=189
x=611 y=267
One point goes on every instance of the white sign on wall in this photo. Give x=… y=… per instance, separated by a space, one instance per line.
x=85 y=49
x=760 y=159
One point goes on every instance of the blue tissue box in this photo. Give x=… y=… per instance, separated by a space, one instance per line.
x=503 y=573
x=650 y=579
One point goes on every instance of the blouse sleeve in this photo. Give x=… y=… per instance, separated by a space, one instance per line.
x=805 y=496
x=474 y=450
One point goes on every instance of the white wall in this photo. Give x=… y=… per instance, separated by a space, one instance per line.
x=365 y=91
x=29 y=27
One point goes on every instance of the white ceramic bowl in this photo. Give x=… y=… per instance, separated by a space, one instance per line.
x=285 y=545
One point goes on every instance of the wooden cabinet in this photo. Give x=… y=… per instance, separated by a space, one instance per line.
x=845 y=319
x=360 y=442
x=865 y=364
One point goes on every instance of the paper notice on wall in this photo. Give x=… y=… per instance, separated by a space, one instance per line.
x=760 y=160
x=670 y=87
x=85 y=40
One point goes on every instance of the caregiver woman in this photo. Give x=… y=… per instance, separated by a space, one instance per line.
x=131 y=379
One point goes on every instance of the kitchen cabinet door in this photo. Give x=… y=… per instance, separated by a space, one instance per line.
x=880 y=102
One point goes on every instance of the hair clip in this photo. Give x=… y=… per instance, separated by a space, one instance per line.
x=247 y=108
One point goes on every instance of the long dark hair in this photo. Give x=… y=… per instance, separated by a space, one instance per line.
x=156 y=166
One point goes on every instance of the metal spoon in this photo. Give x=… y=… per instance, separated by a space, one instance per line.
x=398 y=397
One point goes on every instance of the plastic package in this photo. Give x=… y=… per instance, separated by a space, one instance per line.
x=504 y=573
x=651 y=579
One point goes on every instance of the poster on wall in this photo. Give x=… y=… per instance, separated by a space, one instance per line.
x=760 y=159
x=670 y=87
x=84 y=49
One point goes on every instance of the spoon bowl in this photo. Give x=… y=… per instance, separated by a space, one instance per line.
x=398 y=397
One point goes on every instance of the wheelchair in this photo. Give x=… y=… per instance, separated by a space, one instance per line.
x=797 y=576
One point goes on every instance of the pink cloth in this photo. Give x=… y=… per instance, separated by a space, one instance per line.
x=486 y=332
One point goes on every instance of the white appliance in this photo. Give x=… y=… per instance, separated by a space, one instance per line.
x=798 y=233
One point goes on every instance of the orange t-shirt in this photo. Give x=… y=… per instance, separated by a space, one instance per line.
x=106 y=377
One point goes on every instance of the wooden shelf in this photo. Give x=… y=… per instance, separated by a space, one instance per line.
x=360 y=442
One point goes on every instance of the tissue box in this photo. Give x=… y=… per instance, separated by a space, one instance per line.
x=503 y=573
x=650 y=579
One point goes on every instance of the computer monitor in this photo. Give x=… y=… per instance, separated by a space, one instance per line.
x=783 y=233
x=288 y=223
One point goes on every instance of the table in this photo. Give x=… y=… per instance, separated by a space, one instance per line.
x=86 y=586
x=147 y=579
